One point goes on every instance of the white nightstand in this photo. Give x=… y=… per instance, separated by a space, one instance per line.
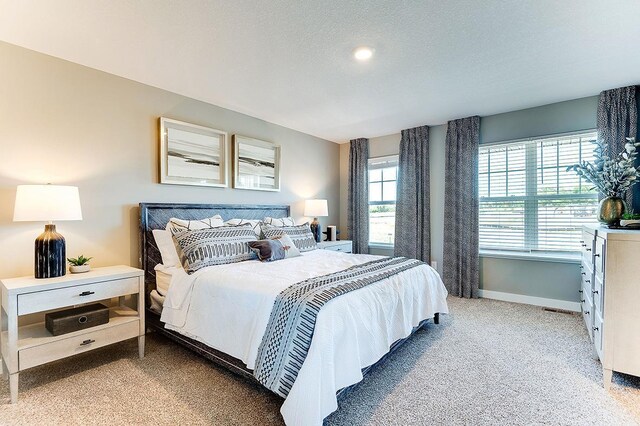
x=344 y=246
x=26 y=346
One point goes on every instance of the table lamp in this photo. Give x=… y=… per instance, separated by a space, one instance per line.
x=46 y=203
x=315 y=209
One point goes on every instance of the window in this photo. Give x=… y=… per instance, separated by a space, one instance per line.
x=529 y=201
x=383 y=172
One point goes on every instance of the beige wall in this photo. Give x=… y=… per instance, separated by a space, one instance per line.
x=67 y=124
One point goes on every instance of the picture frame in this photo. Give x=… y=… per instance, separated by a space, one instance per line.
x=256 y=164
x=192 y=155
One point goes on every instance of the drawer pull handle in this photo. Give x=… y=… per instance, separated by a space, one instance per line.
x=87 y=293
x=580 y=291
x=596 y=255
x=83 y=319
x=584 y=273
x=595 y=292
x=583 y=300
x=595 y=329
x=581 y=241
x=587 y=281
x=87 y=342
x=586 y=312
x=588 y=249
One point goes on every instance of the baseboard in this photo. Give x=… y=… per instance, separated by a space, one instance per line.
x=531 y=300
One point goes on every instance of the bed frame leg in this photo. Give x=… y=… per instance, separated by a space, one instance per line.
x=436 y=318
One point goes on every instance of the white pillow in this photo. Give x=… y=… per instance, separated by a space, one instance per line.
x=279 y=222
x=255 y=224
x=176 y=225
x=163 y=277
x=167 y=247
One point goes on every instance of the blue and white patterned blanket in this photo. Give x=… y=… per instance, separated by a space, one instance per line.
x=287 y=338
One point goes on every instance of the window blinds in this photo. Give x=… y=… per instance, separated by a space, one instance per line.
x=528 y=200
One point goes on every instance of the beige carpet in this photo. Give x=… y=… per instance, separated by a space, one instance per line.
x=487 y=363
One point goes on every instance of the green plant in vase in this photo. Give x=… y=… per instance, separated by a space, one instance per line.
x=612 y=176
x=79 y=264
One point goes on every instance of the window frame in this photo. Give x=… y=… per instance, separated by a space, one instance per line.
x=394 y=158
x=530 y=203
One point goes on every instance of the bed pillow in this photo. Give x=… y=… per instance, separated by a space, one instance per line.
x=280 y=222
x=167 y=247
x=214 y=246
x=275 y=248
x=301 y=235
x=176 y=225
x=255 y=224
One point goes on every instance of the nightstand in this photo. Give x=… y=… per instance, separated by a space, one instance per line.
x=29 y=345
x=344 y=246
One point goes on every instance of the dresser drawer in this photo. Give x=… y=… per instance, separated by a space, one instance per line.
x=68 y=296
x=37 y=355
x=600 y=257
x=588 y=245
x=587 y=315
x=598 y=297
x=598 y=329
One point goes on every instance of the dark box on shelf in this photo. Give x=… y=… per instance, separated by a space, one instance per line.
x=74 y=319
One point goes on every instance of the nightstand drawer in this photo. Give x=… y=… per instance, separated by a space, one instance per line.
x=37 y=355
x=68 y=296
x=346 y=248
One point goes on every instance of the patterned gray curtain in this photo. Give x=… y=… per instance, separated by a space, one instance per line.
x=413 y=236
x=617 y=120
x=461 y=269
x=358 y=205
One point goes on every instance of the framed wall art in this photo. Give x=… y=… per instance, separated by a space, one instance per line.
x=192 y=155
x=256 y=164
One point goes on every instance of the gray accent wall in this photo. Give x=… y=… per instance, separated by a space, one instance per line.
x=537 y=278
x=64 y=123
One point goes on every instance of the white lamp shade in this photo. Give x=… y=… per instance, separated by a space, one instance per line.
x=44 y=203
x=316 y=208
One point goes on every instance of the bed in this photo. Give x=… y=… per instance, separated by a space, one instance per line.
x=185 y=324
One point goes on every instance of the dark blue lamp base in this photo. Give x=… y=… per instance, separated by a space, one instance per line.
x=316 y=229
x=50 y=260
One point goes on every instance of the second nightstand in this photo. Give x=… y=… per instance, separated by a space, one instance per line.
x=344 y=246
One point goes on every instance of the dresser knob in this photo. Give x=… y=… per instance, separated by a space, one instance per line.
x=87 y=293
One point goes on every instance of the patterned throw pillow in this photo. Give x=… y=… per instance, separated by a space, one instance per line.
x=214 y=246
x=255 y=224
x=301 y=235
x=275 y=248
x=176 y=225
x=280 y=222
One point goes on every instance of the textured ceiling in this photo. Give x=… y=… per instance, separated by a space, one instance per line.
x=290 y=63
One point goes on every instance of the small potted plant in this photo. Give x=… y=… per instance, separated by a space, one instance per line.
x=79 y=264
x=630 y=219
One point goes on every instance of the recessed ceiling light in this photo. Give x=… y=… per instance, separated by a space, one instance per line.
x=363 y=53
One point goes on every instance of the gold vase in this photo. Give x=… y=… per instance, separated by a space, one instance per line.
x=611 y=210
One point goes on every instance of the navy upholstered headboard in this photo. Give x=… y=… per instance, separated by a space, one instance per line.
x=156 y=215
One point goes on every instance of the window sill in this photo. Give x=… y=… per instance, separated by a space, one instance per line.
x=536 y=257
x=381 y=246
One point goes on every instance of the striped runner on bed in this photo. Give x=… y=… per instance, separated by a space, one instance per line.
x=286 y=341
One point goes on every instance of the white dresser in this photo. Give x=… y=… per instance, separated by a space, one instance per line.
x=610 y=296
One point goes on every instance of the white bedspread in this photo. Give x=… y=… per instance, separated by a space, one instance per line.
x=227 y=307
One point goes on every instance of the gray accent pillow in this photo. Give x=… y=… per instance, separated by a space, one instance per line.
x=301 y=235
x=214 y=246
x=275 y=248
